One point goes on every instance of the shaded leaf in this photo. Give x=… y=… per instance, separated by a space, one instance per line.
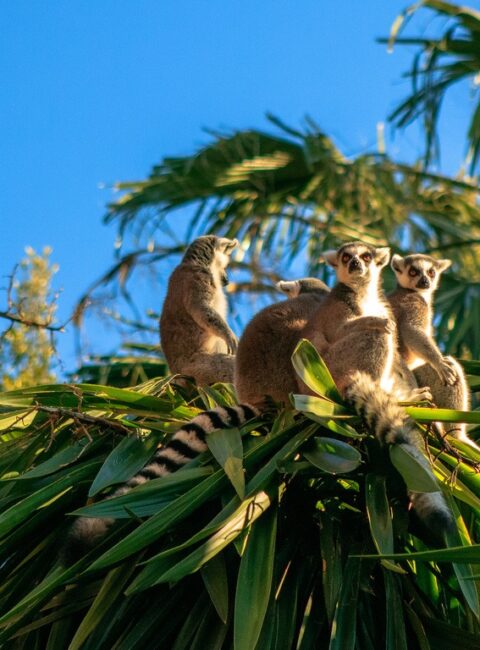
x=332 y=456
x=254 y=582
x=311 y=368
x=414 y=468
x=226 y=447
x=125 y=460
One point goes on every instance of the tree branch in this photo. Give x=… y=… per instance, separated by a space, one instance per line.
x=83 y=417
x=16 y=318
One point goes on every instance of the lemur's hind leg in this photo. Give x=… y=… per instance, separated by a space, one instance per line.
x=456 y=396
x=368 y=351
x=405 y=386
x=209 y=368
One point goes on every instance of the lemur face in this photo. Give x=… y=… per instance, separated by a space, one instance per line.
x=357 y=262
x=418 y=272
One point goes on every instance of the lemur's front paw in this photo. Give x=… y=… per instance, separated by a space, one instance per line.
x=378 y=324
x=232 y=343
x=422 y=394
x=447 y=373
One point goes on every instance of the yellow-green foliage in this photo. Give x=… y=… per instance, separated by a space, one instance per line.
x=26 y=352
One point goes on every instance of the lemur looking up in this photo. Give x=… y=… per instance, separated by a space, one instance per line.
x=412 y=303
x=194 y=334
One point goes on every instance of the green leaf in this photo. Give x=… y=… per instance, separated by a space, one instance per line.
x=321 y=408
x=414 y=468
x=343 y=635
x=463 y=554
x=125 y=460
x=342 y=429
x=310 y=631
x=17 y=513
x=214 y=576
x=331 y=548
x=147 y=499
x=312 y=370
x=379 y=517
x=458 y=488
x=210 y=634
x=192 y=622
x=226 y=447
x=173 y=513
x=396 y=637
x=248 y=511
x=463 y=572
x=254 y=582
x=417 y=627
x=442 y=415
x=333 y=456
x=445 y=636
x=101 y=607
x=58 y=461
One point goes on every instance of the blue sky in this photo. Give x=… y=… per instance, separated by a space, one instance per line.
x=98 y=91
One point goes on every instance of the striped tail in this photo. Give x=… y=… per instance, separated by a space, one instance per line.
x=391 y=426
x=186 y=443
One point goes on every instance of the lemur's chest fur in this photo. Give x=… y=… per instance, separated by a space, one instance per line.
x=219 y=301
x=371 y=304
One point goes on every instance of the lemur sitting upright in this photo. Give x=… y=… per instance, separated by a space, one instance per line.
x=418 y=277
x=194 y=334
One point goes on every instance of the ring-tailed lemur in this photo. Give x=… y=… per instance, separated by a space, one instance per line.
x=194 y=334
x=412 y=303
x=263 y=367
x=359 y=346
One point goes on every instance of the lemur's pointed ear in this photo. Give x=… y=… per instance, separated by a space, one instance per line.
x=442 y=265
x=398 y=264
x=228 y=244
x=330 y=257
x=382 y=255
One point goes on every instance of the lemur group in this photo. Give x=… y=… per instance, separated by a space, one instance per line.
x=380 y=350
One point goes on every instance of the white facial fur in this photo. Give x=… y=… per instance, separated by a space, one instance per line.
x=357 y=262
x=223 y=251
x=291 y=288
x=419 y=273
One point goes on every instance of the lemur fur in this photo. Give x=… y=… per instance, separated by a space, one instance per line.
x=194 y=334
x=352 y=326
x=418 y=277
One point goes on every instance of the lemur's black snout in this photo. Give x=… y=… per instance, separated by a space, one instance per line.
x=355 y=265
x=423 y=283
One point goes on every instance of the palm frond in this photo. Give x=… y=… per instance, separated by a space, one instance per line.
x=441 y=62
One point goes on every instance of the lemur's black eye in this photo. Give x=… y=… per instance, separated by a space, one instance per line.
x=431 y=273
x=346 y=257
x=366 y=257
x=412 y=272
